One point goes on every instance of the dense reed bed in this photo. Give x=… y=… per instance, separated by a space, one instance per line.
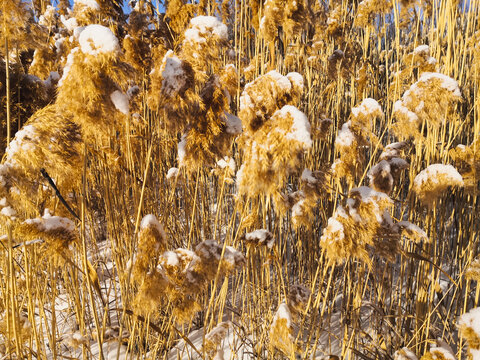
x=238 y=179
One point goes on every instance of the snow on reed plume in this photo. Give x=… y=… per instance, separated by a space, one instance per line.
x=50 y=140
x=467 y=162
x=469 y=324
x=276 y=133
x=427 y=102
x=56 y=232
x=179 y=276
x=386 y=173
x=193 y=92
x=281 y=330
x=354 y=226
x=432 y=182
x=313 y=185
x=354 y=135
x=93 y=84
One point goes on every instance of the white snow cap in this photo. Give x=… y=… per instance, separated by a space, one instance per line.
x=172 y=172
x=173 y=75
x=227 y=162
x=446 y=82
x=181 y=149
x=296 y=79
x=307 y=176
x=471 y=319
x=398 y=107
x=300 y=129
x=92 y=4
x=47 y=16
x=368 y=106
x=262 y=237
x=422 y=49
x=345 y=136
x=48 y=222
x=150 y=220
x=68 y=65
x=283 y=312
x=21 y=142
x=281 y=81
x=432 y=173
x=8 y=212
x=404 y=354
x=205 y=26
x=70 y=23
x=98 y=39
x=120 y=100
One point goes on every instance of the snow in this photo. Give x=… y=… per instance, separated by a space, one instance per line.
x=300 y=130
x=21 y=142
x=281 y=81
x=150 y=221
x=170 y=258
x=233 y=123
x=77 y=31
x=335 y=226
x=408 y=226
x=47 y=16
x=404 y=354
x=172 y=172
x=297 y=208
x=53 y=77
x=345 y=136
x=68 y=65
x=218 y=332
x=283 y=313
x=307 y=176
x=233 y=256
x=400 y=108
x=398 y=163
x=173 y=75
x=70 y=23
x=367 y=194
x=8 y=212
x=51 y=223
x=92 y=4
x=261 y=236
x=120 y=100
x=392 y=150
x=181 y=148
x=382 y=166
x=444 y=353
x=205 y=26
x=422 y=49
x=471 y=320
x=59 y=40
x=296 y=79
x=433 y=172
x=227 y=162
x=368 y=106
x=239 y=175
x=446 y=82
x=97 y=39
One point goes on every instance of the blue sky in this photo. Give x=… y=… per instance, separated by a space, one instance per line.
x=125 y=7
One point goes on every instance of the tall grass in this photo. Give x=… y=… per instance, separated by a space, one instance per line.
x=335 y=216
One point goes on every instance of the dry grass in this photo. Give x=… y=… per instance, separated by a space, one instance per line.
x=301 y=177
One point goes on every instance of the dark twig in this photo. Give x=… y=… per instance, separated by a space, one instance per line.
x=57 y=192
